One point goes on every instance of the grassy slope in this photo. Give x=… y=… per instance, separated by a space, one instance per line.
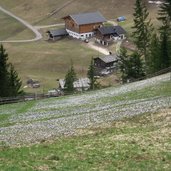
x=44 y=64
x=34 y=11
x=11 y=28
x=135 y=143
x=46 y=61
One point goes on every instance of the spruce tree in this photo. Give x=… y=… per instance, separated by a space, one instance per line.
x=165 y=33
x=91 y=75
x=154 y=60
x=10 y=84
x=123 y=64
x=136 y=66
x=142 y=28
x=14 y=82
x=165 y=54
x=3 y=72
x=165 y=12
x=131 y=66
x=69 y=80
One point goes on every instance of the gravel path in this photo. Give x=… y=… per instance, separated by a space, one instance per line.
x=48 y=26
x=38 y=35
x=102 y=50
x=56 y=117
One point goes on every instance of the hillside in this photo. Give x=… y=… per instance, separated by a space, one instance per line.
x=67 y=114
x=35 y=11
x=44 y=61
x=120 y=128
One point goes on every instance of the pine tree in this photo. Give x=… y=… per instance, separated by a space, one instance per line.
x=69 y=80
x=136 y=66
x=165 y=54
x=165 y=33
x=165 y=13
x=123 y=64
x=3 y=72
x=14 y=82
x=142 y=28
x=10 y=84
x=91 y=75
x=154 y=60
x=131 y=66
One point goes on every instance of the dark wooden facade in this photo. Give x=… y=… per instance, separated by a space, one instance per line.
x=106 y=38
x=101 y=64
x=70 y=24
x=107 y=61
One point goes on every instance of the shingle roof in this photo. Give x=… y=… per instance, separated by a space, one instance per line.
x=59 y=32
x=109 y=58
x=119 y=30
x=111 y=30
x=88 y=18
x=107 y=30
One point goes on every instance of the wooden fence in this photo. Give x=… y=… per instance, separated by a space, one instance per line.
x=35 y=96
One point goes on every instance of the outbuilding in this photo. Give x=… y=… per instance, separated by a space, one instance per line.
x=107 y=34
x=107 y=61
x=56 y=34
x=81 y=84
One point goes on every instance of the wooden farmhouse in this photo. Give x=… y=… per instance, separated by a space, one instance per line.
x=107 y=34
x=106 y=64
x=83 y=25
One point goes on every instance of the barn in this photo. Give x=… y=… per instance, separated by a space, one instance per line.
x=105 y=65
x=83 y=25
x=106 y=61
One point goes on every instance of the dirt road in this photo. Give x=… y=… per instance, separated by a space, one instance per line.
x=38 y=35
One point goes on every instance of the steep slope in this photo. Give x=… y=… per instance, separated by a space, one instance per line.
x=34 y=11
x=34 y=121
x=45 y=61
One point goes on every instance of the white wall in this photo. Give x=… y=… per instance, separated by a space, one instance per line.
x=80 y=36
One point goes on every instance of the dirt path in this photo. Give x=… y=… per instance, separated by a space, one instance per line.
x=38 y=35
x=102 y=50
x=48 y=26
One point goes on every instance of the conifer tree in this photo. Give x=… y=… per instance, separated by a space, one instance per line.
x=123 y=64
x=154 y=60
x=91 y=75
x=165 y=12
x=136 y=66
x=131 y=66
x=10 y=83
x=165 y=50
x=142 y=28
x=165 y=33
x=14 y=82
x=3 y=72
x=69 y=80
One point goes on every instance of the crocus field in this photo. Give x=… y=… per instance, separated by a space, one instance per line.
x=36 y=121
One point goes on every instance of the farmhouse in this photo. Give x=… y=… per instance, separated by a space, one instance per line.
x=83 y=25
x=107 y=34
x=106 y=64
x=79 y=85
